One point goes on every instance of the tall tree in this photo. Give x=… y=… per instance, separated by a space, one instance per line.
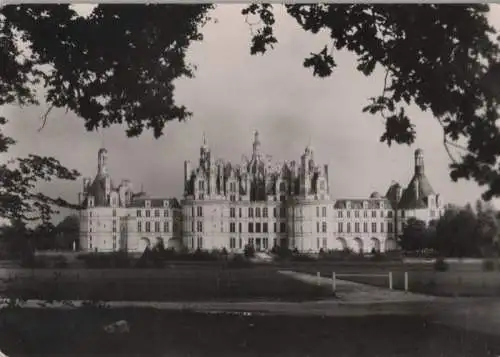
x=67 y=232
x=415 y=235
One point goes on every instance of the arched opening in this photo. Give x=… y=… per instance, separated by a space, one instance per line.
x=173 y=243
x=341 y=243
x=159 y=243
x=375 y=244
x=144 y=243
x=358 y=245
x=390 y=244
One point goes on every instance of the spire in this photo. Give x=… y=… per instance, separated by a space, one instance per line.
x=419 y=162
x=256 y=143
x=204 y=139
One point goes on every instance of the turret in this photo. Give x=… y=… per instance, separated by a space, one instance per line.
x=419 y=162
x=102 y=162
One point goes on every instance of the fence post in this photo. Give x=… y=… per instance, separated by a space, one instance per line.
x=334 y=283
x=390 y=280
x=406 y=281
x=318 y=276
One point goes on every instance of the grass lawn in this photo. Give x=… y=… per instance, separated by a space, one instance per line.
x=159 y=333
x=178 y=283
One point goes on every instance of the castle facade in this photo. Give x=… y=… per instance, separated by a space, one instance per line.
x=256 y=202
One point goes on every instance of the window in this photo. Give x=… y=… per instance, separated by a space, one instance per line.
x=317 y=243
x=374 y=227
x=282 y=198
x=325 y=245
x=365 y=227
x=402 y=214
x=257 y=227
x=340 y=227
x=148 y=227
x=257 y=212
x=240 y=243
x=199 y=211
x=274 y=227
x=250 y=211
x=90 y=213
x=201 y=185
x=148 y=213
x=374 y=214
x=323 y=211
x=348 y=227
x=192 y=211
x=356 y=227
x=165 y=227
x=282 y=187
x=232 y=198
x=200 y=242
x=239 y=227
x=199 y=226
x=390 y=227
x=157 y=213
x=264 y=212
x=165 y=213
x=317 y=211
x=382 y=214
x=232 y=243
x=114 y=212
x=264 y=227
x=324 y=227
x=274 y=212
x=356 y=214
x=348 y=214
x=282 y=227
x=265 y=243
x=139 y=226
x=250 y=227
x=365 y=213
x=339 y=214
x=433 y=213
x=232 y=187
x=322 y=185
x=232 y=227
x=232 y=212
x=239 y=212
x=317 y=227
x=157 y=226
x=381 y=227
x=389 y=214
x=282 y=212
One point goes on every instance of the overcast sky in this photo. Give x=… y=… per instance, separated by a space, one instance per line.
x=234 y=94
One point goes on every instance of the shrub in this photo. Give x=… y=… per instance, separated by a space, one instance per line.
x=488 y=265
x=299 y=257
x=249 y=251
x=440 y=265
x=239 y=261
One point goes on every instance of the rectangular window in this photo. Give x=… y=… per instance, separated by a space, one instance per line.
x=282 y=212
x=239 y=227
x=323 y=211
x=257 y=227
x=339 y=214
x=250 y=227
x=356 y=227
x=389 y=214
x=374 y=227
x=257 y=212
x=138 y=213
x=148 y=227
x=325 y=243
x=232 y=227
x=356 y=214
x=250 y=211
x=232 y=243
x=264 y=227
x=199 y=226
x=340 y=227
x=317 y=243
x=348 y=214
x=365 y=213
x=381 y=227
x=348 y=227
x=157 y=226
x=199 y=211
x=274 y=212
x=165 y=213
x=265 y=243
x=264 y=212
x=274 y=227
x=114 y=212
x=232 y=212
x=374 y=214
x=317 y=211
x=139 y=226
x=282 y=227
x=200 y=242
x=390 y=227
x=157 y=213
x=239 y=212
x=165 y=227
x=382 y=214
x=365 y=227
x=317 y=227
x=232 y=198
x=324 y=227
x=148 y=213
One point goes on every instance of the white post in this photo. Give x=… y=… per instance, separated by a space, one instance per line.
x=334 y=283
x=390 y=280
x=406 y=281
x=318 y=276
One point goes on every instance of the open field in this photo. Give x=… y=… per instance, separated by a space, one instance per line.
x=158 y=333
x=182 y=283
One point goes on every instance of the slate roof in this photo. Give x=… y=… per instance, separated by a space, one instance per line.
x=155 y=202
x=416 y=194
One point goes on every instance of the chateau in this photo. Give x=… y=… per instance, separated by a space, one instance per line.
x=255 y=202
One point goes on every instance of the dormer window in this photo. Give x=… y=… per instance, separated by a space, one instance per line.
x=365 y=205
x=148 y=203
x=165 y=203
x=348 y=205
